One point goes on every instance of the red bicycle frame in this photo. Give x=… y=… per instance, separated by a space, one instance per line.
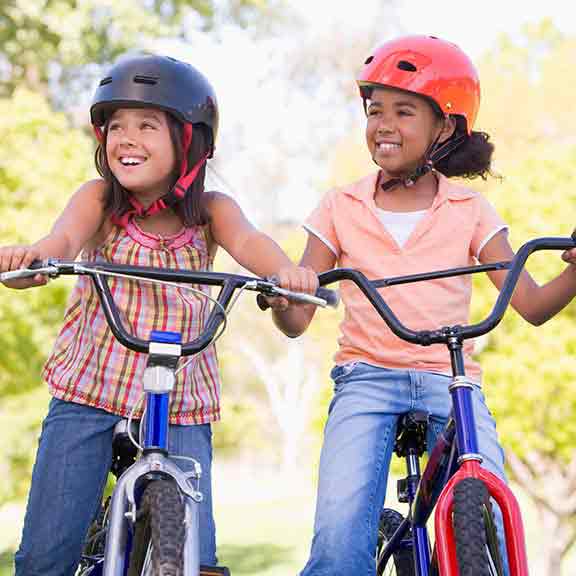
x=513 y=528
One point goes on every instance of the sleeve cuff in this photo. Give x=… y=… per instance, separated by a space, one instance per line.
x=489 y=237
x=311 y=230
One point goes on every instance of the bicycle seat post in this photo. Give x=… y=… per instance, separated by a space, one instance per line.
x=410 y=445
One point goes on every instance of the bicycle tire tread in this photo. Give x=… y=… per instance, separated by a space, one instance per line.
x=403 y=559
x=471 y=498
x=162 y=524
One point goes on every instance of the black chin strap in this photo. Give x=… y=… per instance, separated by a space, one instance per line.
x=433 y=155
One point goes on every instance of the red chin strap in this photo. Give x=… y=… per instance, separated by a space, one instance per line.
x=98 y=133
x=175 y=195
x=186 y=178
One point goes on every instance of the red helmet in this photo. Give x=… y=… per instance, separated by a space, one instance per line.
x=427 y=66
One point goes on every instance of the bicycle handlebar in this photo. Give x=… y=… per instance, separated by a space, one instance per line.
x=444 y=334
x=229 y=283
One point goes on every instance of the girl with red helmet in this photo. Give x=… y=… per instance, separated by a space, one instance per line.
x=156 y=121
x=421 y=95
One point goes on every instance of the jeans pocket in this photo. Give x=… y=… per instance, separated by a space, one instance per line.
x=340 y=373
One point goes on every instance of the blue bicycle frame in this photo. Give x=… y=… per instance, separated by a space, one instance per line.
x=154 y=464
x=457 y=444
x=448 y=466
x=157 y=403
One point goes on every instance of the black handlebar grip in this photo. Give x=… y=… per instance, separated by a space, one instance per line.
x=332 y=297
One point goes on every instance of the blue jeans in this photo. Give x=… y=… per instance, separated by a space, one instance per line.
x=69 y=476
x=355 y=458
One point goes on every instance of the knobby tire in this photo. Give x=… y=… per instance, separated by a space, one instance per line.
x=160 y=532
x=477 y=549
x=401 y=563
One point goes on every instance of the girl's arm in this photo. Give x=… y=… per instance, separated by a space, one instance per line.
x=294 y=320
x=253 y=249
x=78 y=225
x=536 y=304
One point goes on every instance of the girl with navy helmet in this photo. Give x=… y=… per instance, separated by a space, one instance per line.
x=156 y=120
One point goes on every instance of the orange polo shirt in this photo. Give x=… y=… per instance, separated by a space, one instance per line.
x=452 y=233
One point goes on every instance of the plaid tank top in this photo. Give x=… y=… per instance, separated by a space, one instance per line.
x=89 y=366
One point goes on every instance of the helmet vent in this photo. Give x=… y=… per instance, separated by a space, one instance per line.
x=143 y=79
x=407 y=66
x=106 y=80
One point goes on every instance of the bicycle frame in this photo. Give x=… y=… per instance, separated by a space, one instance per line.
x=454 y=457
x=457 y=446
x=448 y=466
x=470 y=461
x=154 y=463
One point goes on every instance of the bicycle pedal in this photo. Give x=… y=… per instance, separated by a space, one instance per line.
x=214 y=571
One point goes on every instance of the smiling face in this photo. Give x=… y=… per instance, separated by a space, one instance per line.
x=140 y=151
x=400 y=128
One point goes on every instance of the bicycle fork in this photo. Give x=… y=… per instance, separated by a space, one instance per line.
x=123 y=513
x=469 y=460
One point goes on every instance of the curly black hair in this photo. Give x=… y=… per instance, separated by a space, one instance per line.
x=472 y=157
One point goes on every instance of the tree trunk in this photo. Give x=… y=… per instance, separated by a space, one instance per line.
x=551 y=488
x=290 y=384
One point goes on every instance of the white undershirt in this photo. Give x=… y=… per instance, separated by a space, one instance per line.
x=400 y=224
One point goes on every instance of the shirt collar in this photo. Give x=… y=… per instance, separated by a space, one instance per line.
x=363 y=190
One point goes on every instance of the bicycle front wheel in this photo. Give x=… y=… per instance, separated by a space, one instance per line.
x=401 y=563
x=158 y=546
x=477 y=549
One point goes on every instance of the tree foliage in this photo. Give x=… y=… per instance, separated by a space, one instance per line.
x=530 y=372
x=45 y=42
x=42 y=160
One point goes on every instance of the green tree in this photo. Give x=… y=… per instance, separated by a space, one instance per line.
x=41 y=161
x=48 y=41
x=530 y=372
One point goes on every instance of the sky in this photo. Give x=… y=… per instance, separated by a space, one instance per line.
x=278 y=131
x=473 y=25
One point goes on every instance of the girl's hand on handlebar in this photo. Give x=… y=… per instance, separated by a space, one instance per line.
x=569 y=256
x=295 y=279
x=15 y=257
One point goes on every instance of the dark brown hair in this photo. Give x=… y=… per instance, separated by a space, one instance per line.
x=472 y=157
x=191 y=208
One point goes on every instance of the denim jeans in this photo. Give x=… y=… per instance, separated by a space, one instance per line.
x=69 y=476
x=355 y=458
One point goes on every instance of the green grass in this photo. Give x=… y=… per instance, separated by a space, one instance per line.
x=263 y=527
x=264 y=524
x=6 y=565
